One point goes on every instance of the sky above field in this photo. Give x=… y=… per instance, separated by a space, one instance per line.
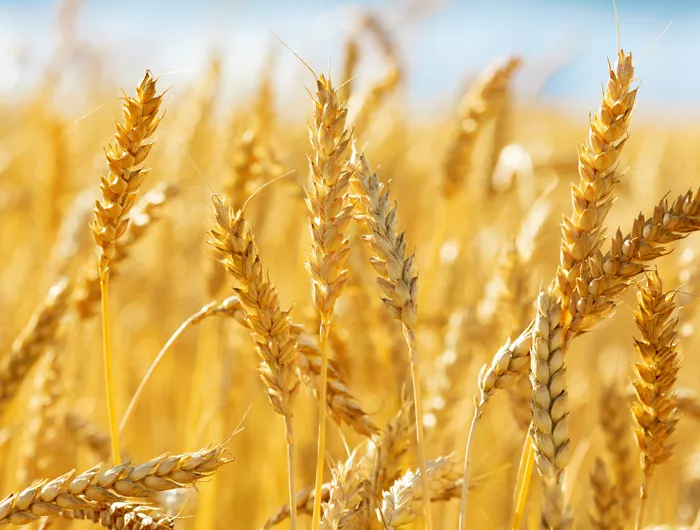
x=443 y=43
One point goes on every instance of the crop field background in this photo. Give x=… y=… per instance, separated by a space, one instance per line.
x=466 y=230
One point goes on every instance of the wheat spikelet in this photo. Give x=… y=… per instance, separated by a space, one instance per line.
x=616 y=423
x=86 y=296
x=78 y=492
x=304 y=505
x=125 y=158
x=655 y=410
x=398 y=506
x=123 y=516
x=550 y=410
x=477 y=107
x=389 y=448
x=346 y=488
x=605 y=513
x=37 y=337
x=582 y=233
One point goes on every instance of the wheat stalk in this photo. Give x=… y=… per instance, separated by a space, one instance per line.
x=398 y=281
x=271 y=327
x=655 y=410
x=329 y=215
x=125 y=158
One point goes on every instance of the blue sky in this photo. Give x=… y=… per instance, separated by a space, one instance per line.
x=444 y=43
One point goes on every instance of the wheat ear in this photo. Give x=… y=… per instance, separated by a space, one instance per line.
x=592 y=197
x=616 y=423
x=123 y=516
x=125 y=158
x=398 y=281
x=271 y=327
x=655 y=410
x=478 y=106
x=36 y=338
x=605 y=514
x=329 y=215
x=550 y=410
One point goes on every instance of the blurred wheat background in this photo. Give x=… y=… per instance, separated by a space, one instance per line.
x=473 y=113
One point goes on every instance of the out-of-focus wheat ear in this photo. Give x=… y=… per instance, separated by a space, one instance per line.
x=550 y=411
x=388 y=448
x=398 y=281
x=605 y=511
x=38 y=336
x=372 y=100
x=654 y=410
x=352 y=56
x=329 y=215
x=87 y=433
x=118 y=190
x=304 y=505
x=477 y=107
x=43 y=450
x=616 y=423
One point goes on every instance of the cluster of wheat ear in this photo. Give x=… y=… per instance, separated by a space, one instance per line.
x=394 y=298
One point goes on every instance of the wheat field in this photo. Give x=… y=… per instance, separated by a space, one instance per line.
x=493 y=307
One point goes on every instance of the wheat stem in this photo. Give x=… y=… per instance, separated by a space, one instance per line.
x=320 y=456
x=107 y=358
x=420 y=435
x=643 y=495
x=522 y=485
x=465 y=479
x=289 y=432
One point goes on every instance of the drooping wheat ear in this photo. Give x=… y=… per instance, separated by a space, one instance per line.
x=389 y=448
x=617 y=431
x=78 y=492
x=598 y=159
x=398 y=281
x=342 y=405
x=346 y=493
x=399 y=503
x=655 y=409
x=352 y=56
x=606 y=276
x=86 y=297
x=38 y=336
x=123 y=516
x=43 y=445
x=89 y=434
x=125 y=158
x=329 y=214
x=271 y=327
x=605 y=511
x=550 y=410
x=478 y=106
